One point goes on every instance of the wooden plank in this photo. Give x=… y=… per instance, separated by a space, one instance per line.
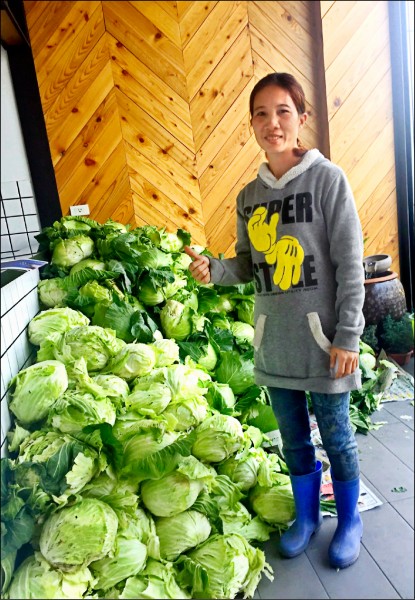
x=147 y=43
x=160 y=18
x=68 y=36
x=161 y=159
x=138 y=124
x=49 y=20
x=221 y=89
x=57 y=72
x=385 y=204
x=365 y=176
x=325 y=6
x=33 y=10
x=224 y=238
x=357 y=153
x=341 y=24
x=165 y=183
x=128 y=86
x=90 y=69
x=116 y=203
x=384 y=229
x=192 y=15
x=70 y=124
x=371 y=204
x=346 y=107
x=351 y=141
x=278 y=14
x=183 y=6
x=224 y=128
x=102 y=183
x=213 y=200
x=146 y=214
x=214 y=226
x=97 y=156
x=295 y=53
x=170 y=8
x=356 y=56
x=158 y=209
x=274 y=57
x=371 y=223
x=90 y=135
x=298 y=11
x=212 y=41
x=232 y=144
x=152 y=91
x=28 y=5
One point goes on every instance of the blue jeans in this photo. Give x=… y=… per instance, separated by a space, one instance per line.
x=332 y=414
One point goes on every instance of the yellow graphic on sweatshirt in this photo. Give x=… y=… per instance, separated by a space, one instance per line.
x=287 y=253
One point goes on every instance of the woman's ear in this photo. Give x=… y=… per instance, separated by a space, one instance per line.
x=303 y=119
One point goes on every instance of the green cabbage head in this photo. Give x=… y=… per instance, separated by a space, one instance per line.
x=167 y=352
x=243 y=332
x=54 y=320
x=36 y=578
x=59 y=464
x=245 y=310
x=208 y=358
x=129 y=558
x=217 y=438
x=66 y=253
x=34 y=390
x=134 y=360
x=113 y=386
x=52 y=292
x=96 y=344
x=232 y=566
x=77 y=535
x=151 y=402
x=76 y=409
x=181 y=532
x=241 y=471
x=275 y=503
x=90 y=263
x=149 y=294
x=176 y=320
x=156 y=580
x=187 y=413
x=177 y=491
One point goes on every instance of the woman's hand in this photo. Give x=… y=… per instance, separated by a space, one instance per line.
x=347 y=362
x=200 y=267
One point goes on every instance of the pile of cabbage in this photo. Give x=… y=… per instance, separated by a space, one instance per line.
x=136 y=465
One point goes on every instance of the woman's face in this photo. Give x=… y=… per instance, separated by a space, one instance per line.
x=275 y=120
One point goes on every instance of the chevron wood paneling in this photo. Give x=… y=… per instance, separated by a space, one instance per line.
x=225 y=53
x=359 y=102
x=146 y=104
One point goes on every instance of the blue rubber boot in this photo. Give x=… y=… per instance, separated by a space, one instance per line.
x=345 y=546
x=306 y=490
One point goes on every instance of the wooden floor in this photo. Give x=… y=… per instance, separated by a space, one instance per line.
x=385 y=568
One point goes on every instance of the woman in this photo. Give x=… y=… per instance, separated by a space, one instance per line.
x=300 y=240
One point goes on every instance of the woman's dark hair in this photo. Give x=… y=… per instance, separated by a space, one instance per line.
x=282 y=80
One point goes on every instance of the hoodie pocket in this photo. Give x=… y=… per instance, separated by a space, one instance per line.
x=290 y=347
x=317 y=332
x=259 y=331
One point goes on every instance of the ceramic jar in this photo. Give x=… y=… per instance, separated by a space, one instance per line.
x=384 y=295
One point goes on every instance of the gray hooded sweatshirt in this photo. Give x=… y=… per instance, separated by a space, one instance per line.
x=300 y=239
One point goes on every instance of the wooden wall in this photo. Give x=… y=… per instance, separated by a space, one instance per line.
x=146 y=105
x=359 y=99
